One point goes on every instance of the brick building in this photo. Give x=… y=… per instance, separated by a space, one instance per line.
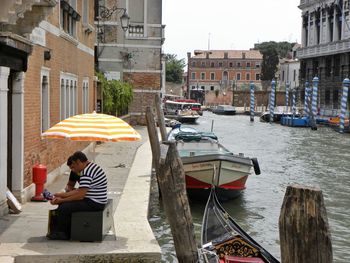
x=53 y=79
x=132 y=55
x=221 y=71
x=325 y=50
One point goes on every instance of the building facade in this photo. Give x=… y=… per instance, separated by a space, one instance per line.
x=222 y=72
x=325 y=51
x=52 y=79
x=288 y=70
x=132 y=55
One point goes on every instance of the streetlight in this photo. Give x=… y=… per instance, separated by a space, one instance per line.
x=106 y=14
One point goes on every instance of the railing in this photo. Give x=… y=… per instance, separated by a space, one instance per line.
x=136 y=31
x=324 y=49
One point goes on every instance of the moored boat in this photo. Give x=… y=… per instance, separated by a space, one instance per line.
x=204 y=157
x=223 y=240
x=180 y=111
x=278 y=113
x=225 y=110
x=293 y=121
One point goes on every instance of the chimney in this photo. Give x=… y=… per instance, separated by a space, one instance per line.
x=226 y=55
x=243 y=55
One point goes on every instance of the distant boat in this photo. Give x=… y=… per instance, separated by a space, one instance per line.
x=279 y=112
x=200 y=152
x=293 y=121
x=180 y=111
x=224 y=241
x=225 y=110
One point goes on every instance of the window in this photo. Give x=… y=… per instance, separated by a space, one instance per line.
x=238 y=64
x=85 y=97
x=294 y=74
x=68 y=103
x=69 y=16
x=257 y=65
x=335 y=99
x=202 y=75
x=85 y=12
x=328 y=67
x=45 y=100
x=283 y=75
x=193 y=87
x=203 y=64
x=247 y=76
x=193 y=64
x=220 y=64
x=212 y=88
x=238 y=76
x=212 y=76
x=193 y=75
x=257 y=76
x=203 y=87
x=231 y=64
x=327 y=97
x=248 y=64
x=212 y=64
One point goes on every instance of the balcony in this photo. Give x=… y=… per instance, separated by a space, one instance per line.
x=327 y=49
x=136 y=31
x=22 y=16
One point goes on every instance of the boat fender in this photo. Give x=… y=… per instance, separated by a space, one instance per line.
x=256 y=166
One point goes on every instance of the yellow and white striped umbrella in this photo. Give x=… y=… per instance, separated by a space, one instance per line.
x=93 y=127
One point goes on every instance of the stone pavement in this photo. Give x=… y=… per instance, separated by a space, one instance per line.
x=128 y=166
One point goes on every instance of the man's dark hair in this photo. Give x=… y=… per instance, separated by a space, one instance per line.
x=69 y=161
x=77 y=156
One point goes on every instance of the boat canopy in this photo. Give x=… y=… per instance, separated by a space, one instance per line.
x=187 y=134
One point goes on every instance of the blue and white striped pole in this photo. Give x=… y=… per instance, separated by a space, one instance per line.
x=307 y=99
x=294 y=108
x=314 y=102
x=344 y=102
x=272 y=99
x=287 y=96
x=252 y=101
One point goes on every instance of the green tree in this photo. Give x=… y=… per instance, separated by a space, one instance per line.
x=117 y=95
x=174 y=68
x=271 y=52
x=269 y=64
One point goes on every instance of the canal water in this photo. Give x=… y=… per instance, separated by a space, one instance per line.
x=286 y=156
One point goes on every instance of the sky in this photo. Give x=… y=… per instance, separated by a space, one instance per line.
x=228 y=24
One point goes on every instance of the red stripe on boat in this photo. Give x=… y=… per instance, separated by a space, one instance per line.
x=192 y=183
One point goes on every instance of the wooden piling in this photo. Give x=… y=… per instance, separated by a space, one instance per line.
x=303 y=226
x=172 y=184
x=160 y=118
x=153 y=138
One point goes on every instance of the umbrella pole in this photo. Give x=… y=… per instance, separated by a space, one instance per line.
x=93 y=151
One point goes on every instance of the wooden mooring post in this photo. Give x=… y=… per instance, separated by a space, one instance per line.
x=153 y=138
x=161 y=121
x=303 y=227
x=172 y=183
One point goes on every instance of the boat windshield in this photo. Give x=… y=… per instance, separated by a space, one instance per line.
x=176 y=131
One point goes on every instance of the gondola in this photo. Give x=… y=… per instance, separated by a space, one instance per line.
x=223 y=240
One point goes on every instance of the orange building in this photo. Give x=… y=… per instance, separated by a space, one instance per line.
x=221 y=72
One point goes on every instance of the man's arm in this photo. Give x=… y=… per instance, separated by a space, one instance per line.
x=77 y=194
x=70 y=186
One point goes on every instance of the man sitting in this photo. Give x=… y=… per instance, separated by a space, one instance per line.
x=90 y=196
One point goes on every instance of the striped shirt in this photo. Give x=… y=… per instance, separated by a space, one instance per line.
x=95 y=179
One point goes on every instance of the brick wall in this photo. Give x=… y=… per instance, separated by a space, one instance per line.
x=65 y=57
x=243 y=98
x=147 y=85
